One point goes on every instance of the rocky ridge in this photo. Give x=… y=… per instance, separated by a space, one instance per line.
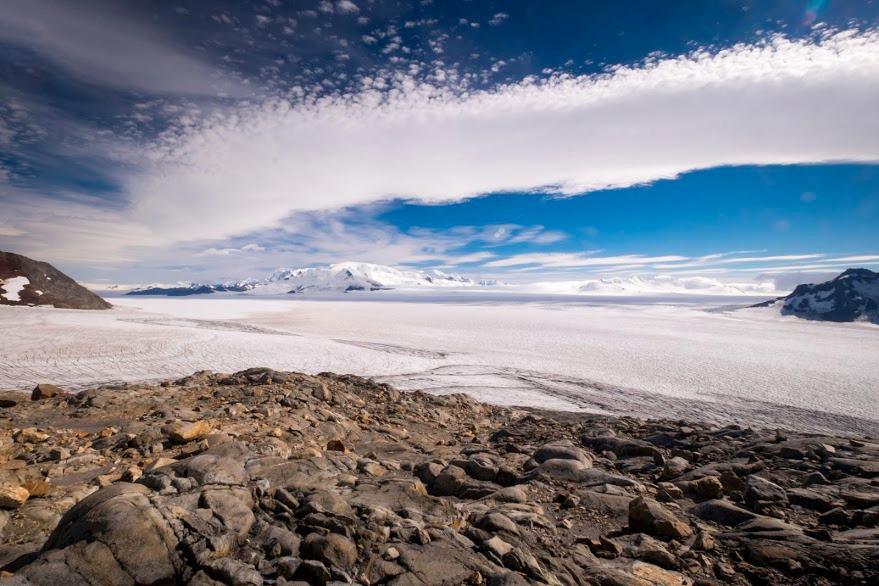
x=853 y=295
x=263 y=477
x=24 y=281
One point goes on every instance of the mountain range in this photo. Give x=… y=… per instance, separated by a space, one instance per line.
x=342 y=277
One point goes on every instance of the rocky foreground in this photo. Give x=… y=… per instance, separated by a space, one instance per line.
x=263 y=477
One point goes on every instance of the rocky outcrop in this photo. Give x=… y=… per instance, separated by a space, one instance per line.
x=27 y=282
x=851 y=296
x=263 y=477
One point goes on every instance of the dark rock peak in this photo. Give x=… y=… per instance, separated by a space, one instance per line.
x=24 y=281
x=853 y=295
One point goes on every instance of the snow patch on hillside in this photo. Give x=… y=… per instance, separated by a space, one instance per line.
x=13 y=287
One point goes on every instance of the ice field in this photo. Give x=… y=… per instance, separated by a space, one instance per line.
x=681 y=359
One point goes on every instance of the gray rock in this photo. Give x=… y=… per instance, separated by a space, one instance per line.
x=722 y=512
x=561 y=451
x=761 y=493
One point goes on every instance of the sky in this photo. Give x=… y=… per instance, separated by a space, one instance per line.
x=528 y=141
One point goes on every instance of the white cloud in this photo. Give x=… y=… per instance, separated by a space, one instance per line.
x=213 y=251
x=10 y=230
x=498 y=18
x=347 y=7
x=110 y=49
x=575 y=259
x=714 y=259
x=862 y=258
x=774 y=103
x=71 y=228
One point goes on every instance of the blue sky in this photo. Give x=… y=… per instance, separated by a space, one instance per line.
x=735 y=141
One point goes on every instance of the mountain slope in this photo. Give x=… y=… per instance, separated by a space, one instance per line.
x=24 y=281
x=342 y=277
x=851 y=296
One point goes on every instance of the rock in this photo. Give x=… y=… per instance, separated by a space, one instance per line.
x=325 y=501
x=452 y=481
x=368 y=485
x=181 y=432
x=46 y=391
x=322 y=393
x=234 y=572
x=708 y=487
x=651 y=574
x=496 y=522
x=561 y=451
x=132 y=473
x=337 y=445
x=645 y=548
x=810 y=499
x=649 y=516
x=761 y=493
x=333 y=549
x=623 y=447
x=704 y=541
x=122 y=520
x=428 y=472
x=498 y=547
x=59 y=453
x=560 y=469
x=673 y=468
x=12 y=496
x=606 y=547
x=722 y=512
x=860 y=499
x=511 y=494
x=30 y=435
x=835 y=516
x=312 y=572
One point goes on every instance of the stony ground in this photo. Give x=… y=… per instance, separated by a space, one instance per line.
x=263 y=477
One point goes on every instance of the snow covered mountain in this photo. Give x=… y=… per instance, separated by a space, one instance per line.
x=356 y=276
x=851 y=296
x=186 y=288
x=337 y=278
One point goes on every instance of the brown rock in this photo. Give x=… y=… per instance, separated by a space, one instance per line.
x=651 y=517
x=333 y=549
x=186 y=432
x=45 y=391
x=12 y=496
x=337 y=445
x=30 y=435
x=709 y=487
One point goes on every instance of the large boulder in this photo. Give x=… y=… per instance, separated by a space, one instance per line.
x=46 y=391
x=113 y=532
x=648 y=516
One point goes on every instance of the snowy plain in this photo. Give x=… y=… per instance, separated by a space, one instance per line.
x=689 y=358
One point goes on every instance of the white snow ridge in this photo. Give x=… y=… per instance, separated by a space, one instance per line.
x=356 y=276
x=342 y=277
